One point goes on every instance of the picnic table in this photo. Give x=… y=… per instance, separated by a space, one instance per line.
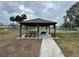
x=30 y=34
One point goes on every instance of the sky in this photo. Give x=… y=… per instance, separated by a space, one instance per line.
x=49 y=10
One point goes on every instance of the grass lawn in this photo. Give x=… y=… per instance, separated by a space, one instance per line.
x=69 y=43
x=10 y=47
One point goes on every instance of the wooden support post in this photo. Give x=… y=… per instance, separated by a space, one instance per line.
x=54 y=30
x=30 y=28
x=20 y=30
x=49 y=29
x=46 y=29
x=27 y=31
x=26 y=28
x=38 y=31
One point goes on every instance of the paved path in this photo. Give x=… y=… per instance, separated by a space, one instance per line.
x=49 y=48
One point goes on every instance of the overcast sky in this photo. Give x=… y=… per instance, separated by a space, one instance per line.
x=50 y=10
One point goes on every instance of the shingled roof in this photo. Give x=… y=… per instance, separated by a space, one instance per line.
x=38 y=21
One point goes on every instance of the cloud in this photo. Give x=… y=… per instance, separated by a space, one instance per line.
x=51 y=10
x=49 y=6
x=9 y=6
x=23 y=9
x=4 y=16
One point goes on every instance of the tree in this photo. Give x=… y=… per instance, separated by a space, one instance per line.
x=77 y=20
x=24 y=16
x=12 y=18
x=73 y=15
x=19 y=19
x=65 y=18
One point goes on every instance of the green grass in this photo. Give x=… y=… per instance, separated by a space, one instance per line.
x=69 y=44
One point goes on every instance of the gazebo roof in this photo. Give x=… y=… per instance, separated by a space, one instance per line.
x=38 y=21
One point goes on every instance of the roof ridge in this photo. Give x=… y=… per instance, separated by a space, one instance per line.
x=39 y=20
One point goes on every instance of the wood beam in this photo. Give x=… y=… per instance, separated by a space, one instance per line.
x=46 y=29
x=38 y=31
x=20 y=30
x=54 y=30
x=49 y=29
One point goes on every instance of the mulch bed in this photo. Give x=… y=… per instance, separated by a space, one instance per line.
x=20 y=48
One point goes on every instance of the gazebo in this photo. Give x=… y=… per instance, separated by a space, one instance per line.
x=37 y=23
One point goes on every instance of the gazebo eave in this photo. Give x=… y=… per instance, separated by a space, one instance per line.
x=38 y=24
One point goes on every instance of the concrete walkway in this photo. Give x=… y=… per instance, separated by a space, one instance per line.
x=49 y=48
